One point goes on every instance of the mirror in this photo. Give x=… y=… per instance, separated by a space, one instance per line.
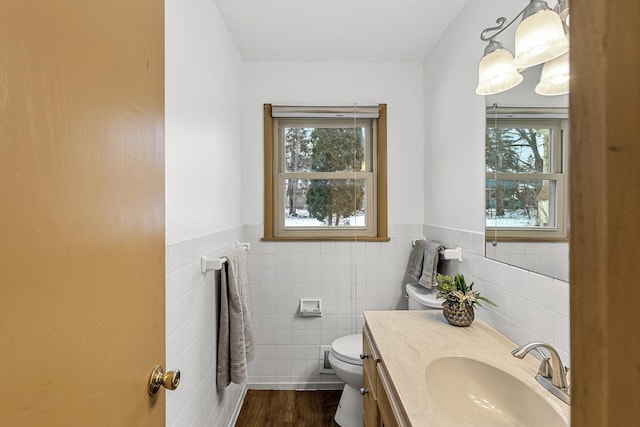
x=526 y=193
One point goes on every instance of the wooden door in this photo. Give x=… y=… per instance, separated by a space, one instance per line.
x=81 y=212
x=605 y=201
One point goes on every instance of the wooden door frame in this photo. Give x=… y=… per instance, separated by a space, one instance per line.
x=605 y=199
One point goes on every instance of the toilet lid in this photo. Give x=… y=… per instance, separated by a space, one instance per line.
x=424 y=296
x=348 y=349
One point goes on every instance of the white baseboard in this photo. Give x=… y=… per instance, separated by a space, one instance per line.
x=238 y=406
x=337 y=385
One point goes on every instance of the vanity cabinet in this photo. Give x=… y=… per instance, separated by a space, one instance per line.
x=369 y=393
x=421 y=371
x=390 y=413
x=380 y=404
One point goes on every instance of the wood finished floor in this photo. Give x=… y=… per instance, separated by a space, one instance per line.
x=281 y=408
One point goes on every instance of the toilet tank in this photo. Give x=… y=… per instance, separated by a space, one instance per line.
x=421 y=298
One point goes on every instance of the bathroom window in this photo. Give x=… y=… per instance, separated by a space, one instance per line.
x=325 y=173
x=525 y=189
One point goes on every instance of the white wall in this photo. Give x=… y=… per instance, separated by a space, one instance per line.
x=204 y=74
x=530 y=306
x=397 y=84
x=524 y=94
x=454 y=120
x=204 y=81
x=349 y=277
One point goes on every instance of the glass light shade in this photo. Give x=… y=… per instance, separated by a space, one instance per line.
x=496 y=73
x=539 y=38
x=563 y=11
x=554 y=79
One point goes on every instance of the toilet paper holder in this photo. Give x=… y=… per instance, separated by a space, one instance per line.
x=310 y=307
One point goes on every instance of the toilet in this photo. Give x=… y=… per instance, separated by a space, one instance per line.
x=421 y=298
x=345 y=360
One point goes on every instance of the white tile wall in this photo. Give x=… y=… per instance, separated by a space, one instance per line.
x=548 y=258
x=352 y=277
x=349 y=277
x=531 y=306
x=191 y=318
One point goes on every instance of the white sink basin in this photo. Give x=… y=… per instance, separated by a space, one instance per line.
x=477 y=394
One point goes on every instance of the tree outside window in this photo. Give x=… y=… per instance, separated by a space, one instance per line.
x=525 y=178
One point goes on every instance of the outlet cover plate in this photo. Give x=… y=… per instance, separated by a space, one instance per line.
x=325 y=365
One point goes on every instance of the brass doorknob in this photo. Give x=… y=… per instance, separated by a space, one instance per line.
x=169 y=380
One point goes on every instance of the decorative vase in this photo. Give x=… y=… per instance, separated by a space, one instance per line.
x=457 y=315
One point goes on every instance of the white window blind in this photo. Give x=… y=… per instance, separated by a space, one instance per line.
x=357 y=111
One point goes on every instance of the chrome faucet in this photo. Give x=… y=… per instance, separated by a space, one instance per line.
x=552 y=374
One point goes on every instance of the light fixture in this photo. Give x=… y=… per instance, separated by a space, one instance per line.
x=554 y=79
x=563 y=11
x=496 y=72
x=540 y=37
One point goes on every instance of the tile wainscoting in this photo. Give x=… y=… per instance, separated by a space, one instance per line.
x=349 y=277
x=531 y=306
x=191 y=329
x=548 y=258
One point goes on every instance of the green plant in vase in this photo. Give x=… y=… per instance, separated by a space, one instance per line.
x=460 y=299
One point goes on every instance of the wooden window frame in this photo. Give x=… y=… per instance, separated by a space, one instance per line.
x=557 y=174
x=273 y=229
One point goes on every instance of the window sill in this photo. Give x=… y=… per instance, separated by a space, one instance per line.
x=489 y=238
x=326 y=239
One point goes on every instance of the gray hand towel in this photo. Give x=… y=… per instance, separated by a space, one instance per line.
x=430 y=264
x=416 y=259
x=235 y=335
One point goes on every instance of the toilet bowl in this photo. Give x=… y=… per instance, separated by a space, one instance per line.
x=345 y=360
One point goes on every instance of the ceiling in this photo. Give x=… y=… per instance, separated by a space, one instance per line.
x=338 y=30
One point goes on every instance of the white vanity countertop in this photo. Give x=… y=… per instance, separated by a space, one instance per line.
x=409 y=340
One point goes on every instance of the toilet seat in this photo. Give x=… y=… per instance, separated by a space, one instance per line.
x=348 y=348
